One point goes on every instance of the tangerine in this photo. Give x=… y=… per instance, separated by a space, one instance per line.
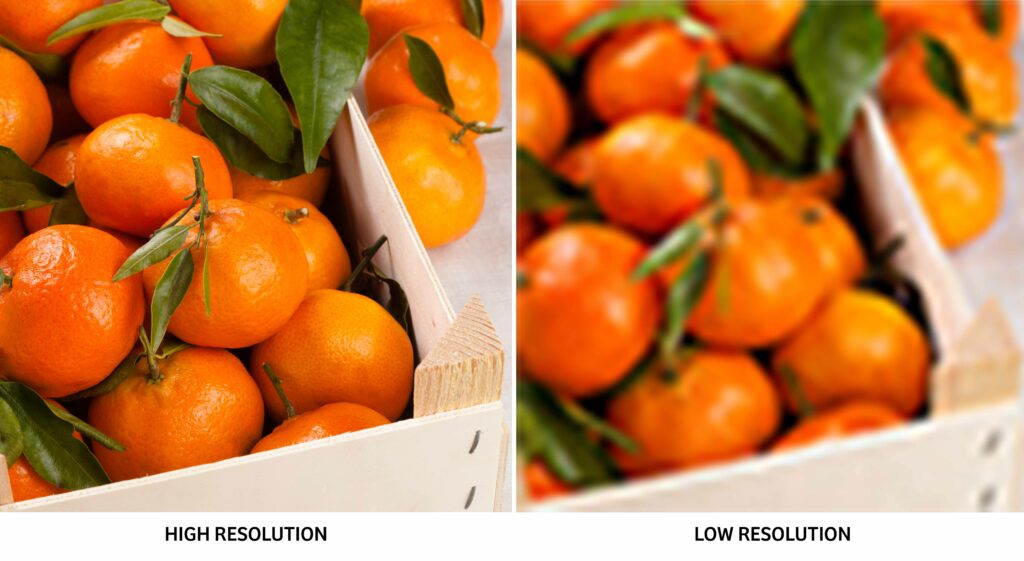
x=26 y=120
x=542 y=107
x=326 y=421
x=57 y=163
x=547 y=24
x=849 y=419
x=247 y=28
x=30 y=24
x=387 y=18
x=11 y=231
x=311 y=187
x=756 y=30
x=840 y=253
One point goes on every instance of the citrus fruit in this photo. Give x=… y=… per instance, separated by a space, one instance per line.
x=64 y=324
x=26 y=483
x=470 y=69
x=859 y=345
x=387 y=18
x=11 y=231
x=905 y=17
x=541 y=484
x=246 y=27
x=1000 y=19
x=29 y=24
x=329 y=420
x=134 y=172
x=582 y=321
x=718 y=406
x=441 y=180
x=202 y=408
x=576 y=164
x=57 y=163
x=257 y=271
x=827 y=185
x=25 y=121
x=653 y=172
x=840 y=254
x=337 y=347
x=133 y=68
x=309 y=186
x=849 y=419
x=542 y=107
x=956 y=173
x=325 y=253
x=756 y=30
x=547 y=24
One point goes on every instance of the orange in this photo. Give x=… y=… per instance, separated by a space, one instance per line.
x=1009 y=21
x=853 y=418
x=987 y=71
x=25 y=120
x=140 y=154
x=720 y=406
x=11 y=231
x=30 y=24
x=309 y=186
x=652 y=172
x=766 y=278
x=330 y=420
x=64 y=324
x=526 y=231
x=859 y=345
x=542 y=107
x=442 y=182
x=541 y=484
x=337 y=347
x=582 y=322
x=546 y=24
x=57 y=163
x=387 y=18
x=957 y=174
x=826 y=184
x=577 y=163
x=133 y=68
x=470 y=69
x=756 y=30
x=26 y=483
x=258 y=276
x=204 y=408
x=840 y=254
x=326 y=255
x=247 y=28
x=645 y=68
x=904 y=17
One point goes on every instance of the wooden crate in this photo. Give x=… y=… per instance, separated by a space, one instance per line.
x=448 y=457
x=965 y=456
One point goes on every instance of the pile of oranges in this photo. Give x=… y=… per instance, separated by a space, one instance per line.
x=694 y=285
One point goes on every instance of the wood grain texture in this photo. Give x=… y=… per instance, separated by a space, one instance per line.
x=503 y=463
x=6 y=494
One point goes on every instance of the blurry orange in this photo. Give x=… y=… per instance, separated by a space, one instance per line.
x=577 y=163
x=652 y=172
x=329 y=420
x=1008 y=30
x=541 y=484
x=840 y=254
x=11 y=231
x=387 y=18
x=720 y=406
x=247 y=28
x=133 y=67
x=546 y=24
x=542 y=107
x=337 y=347
x=756 y=30
x=827 y=185
x=470 y=69
x=582 y=322
x=859 y=345
x=905 y=17
x=25 y=118
x=29 y=24
x=442 y=182
x=849 y=419
x=57 y=163
x=309 y=186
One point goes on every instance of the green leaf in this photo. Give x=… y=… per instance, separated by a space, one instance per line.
x=68 y=210
x=163 y=243
x=677 y=244
x=756 y=153
x=244 y=154
x=591 y=422
x=50 y=446
x=473 y=16
x=838 y=49
x=538 y=188
x=250 y=105
x=321 y=48
x=944 y=72
x=428 y=72
x=49 y=67
x=86 y=429
x=120 y=374
x=992 y=15
x=398 y=301
x=168 y=294
x=682 y=297
x=629 y=12
x=178 y=28
x=766 y=105
x=103 y=16
x=12 y=441
x=23 y=188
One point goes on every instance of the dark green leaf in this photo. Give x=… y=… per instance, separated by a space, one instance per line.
x=178 y=28
x=168 y=294
x=120 y=374
x=163 y=243
x=23 y=188
x=683 y=295
x=538 y=188
x=398 y=302
x=103 y=16
x=755 y=152
x=68 y=210
x=12 y=441
x=591 y=422
x=50 y=446
x=944 y=72
x=49 y=67
x=473 y=16
x=992 y=15
x=627 y=13
x=428 y=72
x=838 y=49
x=250 y=105
x=86 y=429
x=766 y=105
x=321 y=48
x=673 y=247
x=244 y=154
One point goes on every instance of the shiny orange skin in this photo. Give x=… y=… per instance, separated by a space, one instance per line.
x=840 y=253
x=247 y=28
x=905 y=17
x=541 y=484
x=11 y=231
x=987 y=70
x=958 y=179
x=756 y=30
x=329 y=420
x=849 y=419
x=311 y=187
x=143 y=155
x=133 y=67
x=442 y=183
x=859 y=345
x=26 y=120
x=577 y=163
x=204 y=409
x=326 y=255
x=827 y=185
x=337 y=347
x=542 y=107
x=546 y=24
x=766 y=278
x=582 y=322
x=30 y=24
x=652 y=172
x=645 y=68
x=258 y=276
x=64 y=324
x=470 y=69
x=57 y=163
x=1009 y=13
x=720 y=407
x=387 y=18
x=26 y=483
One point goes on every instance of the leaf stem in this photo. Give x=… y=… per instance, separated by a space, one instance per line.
x=293 y=216
x=154 y=370
x=289 y=410
x=368 y=255
x=179 y=98
x=86 y=429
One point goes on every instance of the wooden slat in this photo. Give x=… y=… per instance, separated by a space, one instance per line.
x=6 y=494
